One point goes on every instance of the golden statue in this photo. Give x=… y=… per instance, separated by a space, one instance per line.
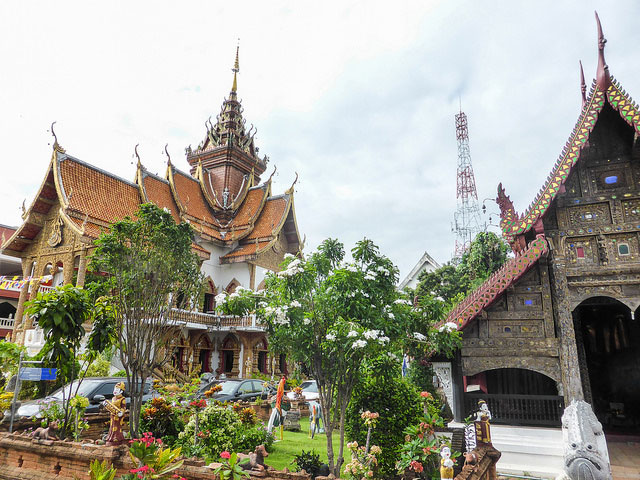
x=117 y=408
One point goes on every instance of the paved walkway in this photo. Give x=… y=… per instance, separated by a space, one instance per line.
x=625 y=460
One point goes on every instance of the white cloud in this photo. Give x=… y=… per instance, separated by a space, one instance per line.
x=357 y=97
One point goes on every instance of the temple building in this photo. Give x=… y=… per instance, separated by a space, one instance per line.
x=559 y=321
x=242 y=230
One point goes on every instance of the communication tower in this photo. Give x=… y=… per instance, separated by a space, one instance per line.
x=466 y=220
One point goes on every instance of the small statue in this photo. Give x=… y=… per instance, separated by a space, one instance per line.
x=48 y=433
x=471 y=460
x=116 y=407
x=256 y=460
x=483 y=415
x=446 y=464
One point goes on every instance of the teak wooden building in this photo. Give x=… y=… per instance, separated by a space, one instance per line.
x=560 y=320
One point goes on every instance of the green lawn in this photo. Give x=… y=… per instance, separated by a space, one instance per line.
x=281 y=452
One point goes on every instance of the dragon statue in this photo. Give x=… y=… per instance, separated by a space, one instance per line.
x=585 y=448
x=508 y=220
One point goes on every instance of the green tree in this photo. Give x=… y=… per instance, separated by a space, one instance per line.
x=150 y=263
x=333 y=316
x=61 y=314
x=486 y=254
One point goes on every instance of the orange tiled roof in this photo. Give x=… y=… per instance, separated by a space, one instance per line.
x=272 y=216
x=95 y=192
x=245 y=250
x=158 y=191
x=251 y=205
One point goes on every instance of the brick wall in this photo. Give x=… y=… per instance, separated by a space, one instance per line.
x=21 y=458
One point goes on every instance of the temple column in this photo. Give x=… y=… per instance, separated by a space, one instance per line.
x=252 y=276
x=24 y=293
x=246 y=358
x=569 y=365
x=67 y=272
x=82 y=268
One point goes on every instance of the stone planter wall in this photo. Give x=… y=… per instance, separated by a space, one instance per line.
x=98 y=425
x=21 y=458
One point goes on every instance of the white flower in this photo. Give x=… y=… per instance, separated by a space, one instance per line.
x=392 y=356
x=352 y=334
x=383 y=340
x=262 y=304
x=359 y=344
x=419 y=336
x=295 y=304
x=402 y=301
x=391 y=316
x=369 y=276
x=331 y=336
x=440 y=299
x=371 y=334
x=234 y=295
x=288 y=255
x=351 y=268
x=448 y=327
x=306 y=321
x=221 y=298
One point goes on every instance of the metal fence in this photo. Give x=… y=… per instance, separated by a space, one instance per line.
x=518 y=409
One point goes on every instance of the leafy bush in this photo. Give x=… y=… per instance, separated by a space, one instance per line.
x=307 y=461
x=162 y=419
x=221 y=429
x=421 y=374
x=397 y=402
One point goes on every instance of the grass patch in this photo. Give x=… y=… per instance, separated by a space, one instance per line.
x=281 y=452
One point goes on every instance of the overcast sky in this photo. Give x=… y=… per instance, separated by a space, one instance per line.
x=357 y=97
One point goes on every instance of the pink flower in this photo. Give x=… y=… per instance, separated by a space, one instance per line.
x=417 y=466
x=225 y=454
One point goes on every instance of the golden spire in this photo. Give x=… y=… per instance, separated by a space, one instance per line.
x=236 y=69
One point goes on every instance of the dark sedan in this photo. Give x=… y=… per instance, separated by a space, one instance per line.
x=239 y=390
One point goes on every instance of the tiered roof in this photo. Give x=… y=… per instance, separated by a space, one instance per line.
x=605 y=89
x=250 y=220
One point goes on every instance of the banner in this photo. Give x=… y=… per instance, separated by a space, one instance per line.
x=8 y=282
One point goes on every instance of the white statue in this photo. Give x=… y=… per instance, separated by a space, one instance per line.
x=446 y=464
x=585 y=448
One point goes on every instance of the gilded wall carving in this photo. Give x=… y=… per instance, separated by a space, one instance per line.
x=589 y=215
x=545 y=365
x=631 y=210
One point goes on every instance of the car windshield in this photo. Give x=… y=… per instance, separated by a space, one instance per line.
x=228 y=387
x=86 y=387
x=311 y=387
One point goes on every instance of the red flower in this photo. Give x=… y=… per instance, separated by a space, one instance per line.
x=225 y=454
x=425 y=394
x=417 y=466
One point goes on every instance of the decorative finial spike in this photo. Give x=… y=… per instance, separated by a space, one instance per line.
x=603 y=79
x=236 y=69
x=56 y=145
x=166 y=151
x=135 y=150
x=583 y=86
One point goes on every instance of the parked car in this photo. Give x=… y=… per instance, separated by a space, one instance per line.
x=309 y=391
x=96 y=389
x=235 y=390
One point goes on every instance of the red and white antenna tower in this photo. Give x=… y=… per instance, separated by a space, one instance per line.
x=466 y=220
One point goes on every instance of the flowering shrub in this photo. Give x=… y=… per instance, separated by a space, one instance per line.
x=221 y=429
x=78 y=405
x=152 y=460
x=213 y=390
x=363 y=458
x=420 y=453
x=162 y=419
x=230 y=470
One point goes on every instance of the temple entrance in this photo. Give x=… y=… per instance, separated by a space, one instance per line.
x=517 y=396
x=608 y=341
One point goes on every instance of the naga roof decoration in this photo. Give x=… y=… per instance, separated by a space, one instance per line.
x=496 y=284
x=604 y=89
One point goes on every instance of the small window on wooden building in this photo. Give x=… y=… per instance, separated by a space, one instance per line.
x=623 y=248
x=580 y=252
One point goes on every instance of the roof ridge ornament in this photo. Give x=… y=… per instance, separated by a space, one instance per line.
x=289 y=190
x=56 y=146
x=135 y=152
x=603 y=79
x=167 y=153
x=583 y=86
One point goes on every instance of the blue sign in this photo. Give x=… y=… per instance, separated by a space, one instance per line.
x=37 y=374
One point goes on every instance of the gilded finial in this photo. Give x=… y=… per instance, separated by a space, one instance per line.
x=289 y=191
x=583 y=85
x=167 y=153
x=236 y=69
x=56 y=145
x=135 y=151
x=603 y=79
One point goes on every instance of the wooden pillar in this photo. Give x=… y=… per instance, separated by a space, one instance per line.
x=67 y=272
x=569 y=366
x=252 y=276
x=82 y=268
